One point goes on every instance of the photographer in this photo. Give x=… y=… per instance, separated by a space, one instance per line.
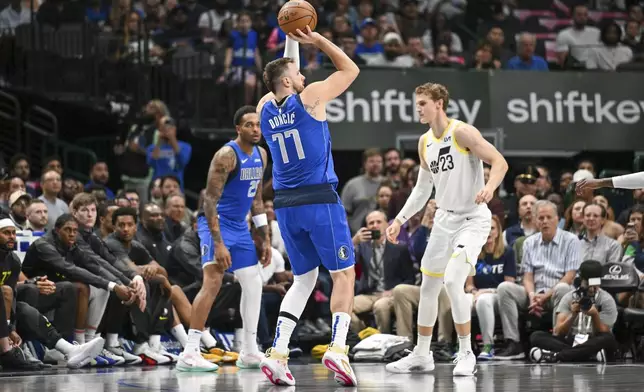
x=585 y=318
x=384 y=266
x=168 y=156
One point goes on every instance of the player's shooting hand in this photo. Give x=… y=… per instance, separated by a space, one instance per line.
x=392 y=232
x=586 y=184
x=45 y=287
x=363 y=235
x=222 y=255
x=305 y=37
x=484 y=196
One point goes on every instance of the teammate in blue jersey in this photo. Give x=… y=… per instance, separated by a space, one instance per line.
x=310 y=215
x=234 y=187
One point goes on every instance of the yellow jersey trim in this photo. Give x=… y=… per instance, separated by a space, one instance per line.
x=449 y=125
x=431 y=274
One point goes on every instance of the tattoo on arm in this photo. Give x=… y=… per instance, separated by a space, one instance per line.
x=222 y=164
x=310 y=109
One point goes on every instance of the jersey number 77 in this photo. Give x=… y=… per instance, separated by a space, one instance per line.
x=281 y=140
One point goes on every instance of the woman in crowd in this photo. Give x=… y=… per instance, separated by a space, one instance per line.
x=496 y=264
x=611 y=228
x=575 y=217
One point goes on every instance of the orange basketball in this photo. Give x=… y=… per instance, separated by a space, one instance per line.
x=297 y=14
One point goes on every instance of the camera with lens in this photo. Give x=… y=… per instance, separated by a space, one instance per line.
x=581 y=295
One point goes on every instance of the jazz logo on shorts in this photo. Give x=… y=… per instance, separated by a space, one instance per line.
x=343 y=252
x=204 y=250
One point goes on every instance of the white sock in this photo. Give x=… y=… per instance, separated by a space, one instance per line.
x=179 y=332
x=64 y=346
x=239 y=338
x=207 y=339
x=341 y=322
x=90 y=334
x=194 y=337
x=465 y=344
x=79 y=336
x=112 y=340
x=155 y=341
x=283 y=332
x=422 y=347
x=249 y=344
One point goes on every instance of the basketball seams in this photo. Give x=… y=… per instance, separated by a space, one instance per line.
x=295 y=20
x=298 y=8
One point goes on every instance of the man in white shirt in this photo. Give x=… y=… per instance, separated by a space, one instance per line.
x=14 y=15
x=577 y=40
x=611 y=52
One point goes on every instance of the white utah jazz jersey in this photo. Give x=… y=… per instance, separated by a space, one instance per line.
x=457 y=173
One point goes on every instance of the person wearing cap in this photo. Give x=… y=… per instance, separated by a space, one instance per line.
x=369 y=35
x=18 y=203
x=392 y=55
x=31 y=324
x=525 y=183
x=169 y=156
x=584 y=323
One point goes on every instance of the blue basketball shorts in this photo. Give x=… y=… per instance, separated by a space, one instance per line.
x=236 y=238
x=316 y=234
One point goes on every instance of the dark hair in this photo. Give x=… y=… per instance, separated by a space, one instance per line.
x=82 y=200
x=95 y=187
x=370 y=152
x=62 y=220
x=604 y=213
x=104 y=208
x=96 y=163
x=390 y=149
x=124 y=211
x=50 y=159
x=274 y=70
x=637 y=208
x=241 y=112
x=590 y=269
x=574 y=7
x=17 y=158
x=169 y=177
x=125 y=192
x=604 y=32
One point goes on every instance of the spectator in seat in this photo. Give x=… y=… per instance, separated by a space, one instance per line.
x=169 y=156
x=194 y=11
x=576 y=41
x=53 y=163
x=348 y=44
x=100 y=174
x=595 y=245
x=525 y=183
x=14 y=15
x=526 y=60
x=19 y=166
x=369 y=46
x=393 y=55
x=611 y=53
x=407 y=181
x=383 y=195
x=169 y=185
x=37 y=216
x=18 y=203
x=384 y=266
x=544 y=182
x=633 y=36
x=392 y=167
x=358 y=194
x=580 y=333
x=496 y=264
x=344 y=9
x=409 y=19
x=72 y=187
x=133 y=197
x=442 y=58
x=16 y=184
x=550 y=261
x=564 y=181
x=484 y=58
x=151 y=233
x=526 y=226
x=105 y=226
x=51 y=185
x=440 y=32
x=340 y=25
x=575 y=218
x=610 y=228
x=496 y=38
x=174 y=211
x=210 y=22
x=243 y=60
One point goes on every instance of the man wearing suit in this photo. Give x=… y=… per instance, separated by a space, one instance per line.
x=384 y=266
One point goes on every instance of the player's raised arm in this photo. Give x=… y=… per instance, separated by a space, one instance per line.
x=627 y=181
x=259 y=215
x=337 y=83
x=471 y=139
x=222 y=164
x=418 y=197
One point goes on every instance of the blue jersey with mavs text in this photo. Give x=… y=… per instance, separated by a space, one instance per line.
x=300 y=145
x=241 y=186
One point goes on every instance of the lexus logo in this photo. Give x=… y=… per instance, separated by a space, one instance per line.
x=615 y=270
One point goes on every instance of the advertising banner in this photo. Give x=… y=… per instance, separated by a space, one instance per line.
x=537 y=111
x=379 y=105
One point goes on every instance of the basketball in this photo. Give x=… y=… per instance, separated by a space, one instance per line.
x=297 y=14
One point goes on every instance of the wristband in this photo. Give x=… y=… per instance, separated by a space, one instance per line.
x=260 y=220
x=137 y=278
x=110 y=286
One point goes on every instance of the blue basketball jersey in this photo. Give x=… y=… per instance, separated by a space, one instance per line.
x=241 y=186
x=300 y=145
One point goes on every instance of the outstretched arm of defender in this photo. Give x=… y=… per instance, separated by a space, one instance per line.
x=627 y=181
x=339 y=81
x=418 y=197
x=222 y=164
x=471 y=139
x=259 y=217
